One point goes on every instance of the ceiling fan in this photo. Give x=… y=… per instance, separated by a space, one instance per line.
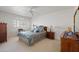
x=33 y=11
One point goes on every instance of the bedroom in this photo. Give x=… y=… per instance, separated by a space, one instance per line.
x=53 y=21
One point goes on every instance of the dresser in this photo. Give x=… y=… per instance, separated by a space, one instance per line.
x=69 y=44
x=50 y=35
x=3 y=32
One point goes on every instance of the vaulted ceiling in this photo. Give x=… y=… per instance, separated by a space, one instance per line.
x=36 y=10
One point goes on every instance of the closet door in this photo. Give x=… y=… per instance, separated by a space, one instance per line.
x=3 y=32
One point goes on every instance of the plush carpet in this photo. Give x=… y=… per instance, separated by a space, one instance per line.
x=15 y=45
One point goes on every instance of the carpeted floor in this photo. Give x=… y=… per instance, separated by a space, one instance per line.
x=15 y=45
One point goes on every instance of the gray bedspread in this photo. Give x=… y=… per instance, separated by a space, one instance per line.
x=31 y=37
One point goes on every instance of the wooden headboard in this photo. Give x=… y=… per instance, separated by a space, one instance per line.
x=45 y=28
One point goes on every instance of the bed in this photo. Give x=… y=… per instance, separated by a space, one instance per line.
x=30 y=37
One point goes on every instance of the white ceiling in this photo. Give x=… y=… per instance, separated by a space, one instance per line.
x=38 y=10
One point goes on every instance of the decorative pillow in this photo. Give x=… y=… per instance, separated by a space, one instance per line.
x=34 y=27
x=41 y=28
x=36 y=30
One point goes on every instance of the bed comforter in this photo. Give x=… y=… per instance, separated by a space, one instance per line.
x=30 y=37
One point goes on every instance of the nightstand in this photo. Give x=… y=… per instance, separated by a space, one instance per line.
x=50 y=35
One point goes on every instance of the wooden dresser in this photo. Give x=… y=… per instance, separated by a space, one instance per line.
x=69 y=44
x=3 y=32
x=50 y=35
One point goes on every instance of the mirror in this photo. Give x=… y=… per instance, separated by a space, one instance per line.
x=77 y=21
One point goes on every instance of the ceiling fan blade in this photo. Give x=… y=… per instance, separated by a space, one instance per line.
x=32 y=10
